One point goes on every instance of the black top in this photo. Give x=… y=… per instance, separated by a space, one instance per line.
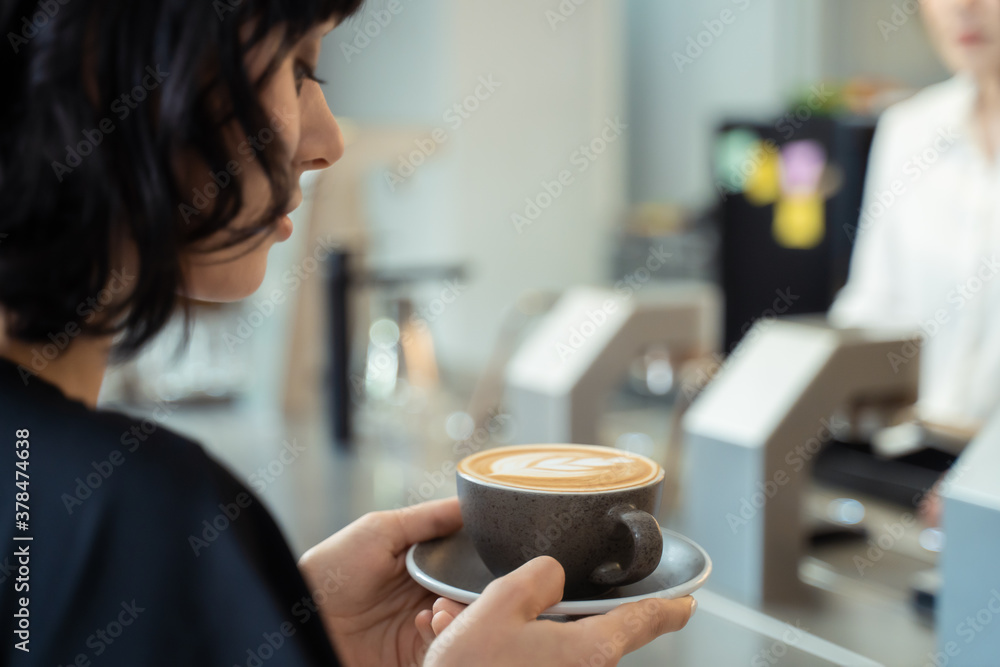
x=143 y=552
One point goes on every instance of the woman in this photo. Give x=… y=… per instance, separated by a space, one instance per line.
x=928 y=249
x=929 y=234
x=150 y=152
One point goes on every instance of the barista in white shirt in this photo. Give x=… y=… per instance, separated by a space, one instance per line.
x=927 y=255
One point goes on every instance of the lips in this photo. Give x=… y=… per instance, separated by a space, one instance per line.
x=284 y=228
x=970 y=38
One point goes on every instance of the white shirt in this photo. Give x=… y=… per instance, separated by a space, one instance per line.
x=928 y=251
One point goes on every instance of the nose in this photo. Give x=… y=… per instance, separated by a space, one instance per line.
x=321 y=142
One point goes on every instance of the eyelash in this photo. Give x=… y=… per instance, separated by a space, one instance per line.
x=304 y=71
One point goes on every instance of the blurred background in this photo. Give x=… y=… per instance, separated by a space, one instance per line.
x=618 y=223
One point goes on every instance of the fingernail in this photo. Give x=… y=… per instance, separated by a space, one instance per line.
x=694 y=606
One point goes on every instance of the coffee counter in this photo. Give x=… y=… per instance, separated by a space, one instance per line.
x=723 y=632
x=323 y=489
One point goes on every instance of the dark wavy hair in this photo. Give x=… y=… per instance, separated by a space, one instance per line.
x=100 y=97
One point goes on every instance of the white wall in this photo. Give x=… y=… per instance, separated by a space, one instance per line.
x=745 y=62
x=558 y=84
x=883 y=40
x=768 y=51
x=557 y=87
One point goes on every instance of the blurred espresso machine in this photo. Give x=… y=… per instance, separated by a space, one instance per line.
x=559 y=380
x=752 y=436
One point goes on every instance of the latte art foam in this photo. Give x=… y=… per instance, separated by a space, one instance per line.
x=579 y=468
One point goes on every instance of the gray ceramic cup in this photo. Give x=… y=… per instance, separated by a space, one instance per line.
x=602 y=539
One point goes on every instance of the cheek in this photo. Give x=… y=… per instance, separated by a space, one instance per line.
x=230 y=280
x=936 y=19
x=991 y=24
x=283 y=106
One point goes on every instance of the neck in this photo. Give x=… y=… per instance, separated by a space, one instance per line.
x=987 y=112
x=989 y=94
x=78 y=370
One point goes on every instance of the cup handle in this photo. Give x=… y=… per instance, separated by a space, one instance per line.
x=648 y=547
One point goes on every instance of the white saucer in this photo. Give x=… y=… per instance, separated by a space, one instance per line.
x=451 y=568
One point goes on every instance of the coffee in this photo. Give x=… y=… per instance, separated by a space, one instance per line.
x=591 y=508
x=561 y=468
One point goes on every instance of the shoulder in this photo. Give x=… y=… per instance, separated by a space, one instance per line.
x=94 y=461
x=941 y=107
x=134 y=476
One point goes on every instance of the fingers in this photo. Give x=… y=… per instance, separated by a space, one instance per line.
x=441 y=621
x=419 y=523
x=432 y=622
x=443 y=613
x=527 y=591
x=634 y=625
x=450 y=606
x=423 y=623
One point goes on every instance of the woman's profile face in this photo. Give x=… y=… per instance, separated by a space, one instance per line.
x=307 y=131
x=966 y=34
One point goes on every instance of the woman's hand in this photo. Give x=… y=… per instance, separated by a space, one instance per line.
x=500 y=628
x=370 y=611
x=377 y=615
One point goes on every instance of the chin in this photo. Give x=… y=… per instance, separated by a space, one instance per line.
x=232 y=281
x=248 y=283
